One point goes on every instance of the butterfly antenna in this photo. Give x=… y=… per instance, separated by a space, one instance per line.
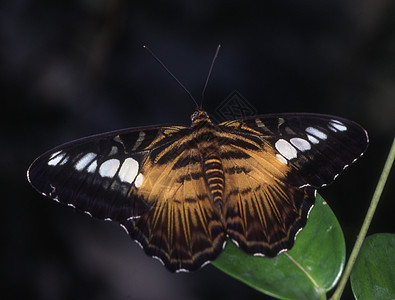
x=209 y=73
x=171 y=74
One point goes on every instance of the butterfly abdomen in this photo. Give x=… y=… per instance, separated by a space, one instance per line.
x=208 y=148
x=214 y=175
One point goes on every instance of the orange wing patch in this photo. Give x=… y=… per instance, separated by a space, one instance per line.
x=263 y=213
x=181 y=226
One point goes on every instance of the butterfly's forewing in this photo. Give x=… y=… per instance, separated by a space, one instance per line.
x=140 y=178
x=91 y=173
x=325 y=145
x=278 y=163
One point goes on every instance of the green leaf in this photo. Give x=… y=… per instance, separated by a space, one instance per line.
x=373 y=276
x=308 y=271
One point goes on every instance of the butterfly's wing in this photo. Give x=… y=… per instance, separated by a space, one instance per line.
x=277 y=163
x=182 y=228
x=126 y=176
x=96 y=174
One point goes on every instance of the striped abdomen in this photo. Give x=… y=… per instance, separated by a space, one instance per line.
x=212 y=168
x=208 y=148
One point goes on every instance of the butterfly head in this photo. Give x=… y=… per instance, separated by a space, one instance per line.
x=199 y=115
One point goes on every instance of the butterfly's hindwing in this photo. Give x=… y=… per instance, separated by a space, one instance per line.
x=262 y=211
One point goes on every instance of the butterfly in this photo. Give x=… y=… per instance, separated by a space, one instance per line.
x=181 y=192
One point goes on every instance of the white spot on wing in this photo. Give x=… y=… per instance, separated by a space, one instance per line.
x=84 y=161
x=109 y=168
x=297 y=232
x=54 y=154
x=311 y=207
x=313 y=139
x=337 y=121
x=139 y=180
x=332 y=128
x=338 y=126
x=65 y=160
x=88 y=213
x=161 y=261
x=138 y=243
x=236 y=243
x=317 y=133
x=286 y=149
x=259 y=123
x=139 y=140
x=301 y=144
x=56 y=158
x=282 y=251
x=114 y=150
x=282 y=159
x=124 y=228
x=182 y=270
x=259 y=254
x=129 y=170
x=92 y=167
x=224 y=244
x=304 y=185
x=205 y=263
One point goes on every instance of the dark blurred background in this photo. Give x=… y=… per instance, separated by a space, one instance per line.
x=74 y=68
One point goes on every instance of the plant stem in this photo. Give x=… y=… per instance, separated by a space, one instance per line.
x=365 y=226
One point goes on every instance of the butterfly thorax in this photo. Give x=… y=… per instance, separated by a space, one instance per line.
x=200 y=115
x=208 y=147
